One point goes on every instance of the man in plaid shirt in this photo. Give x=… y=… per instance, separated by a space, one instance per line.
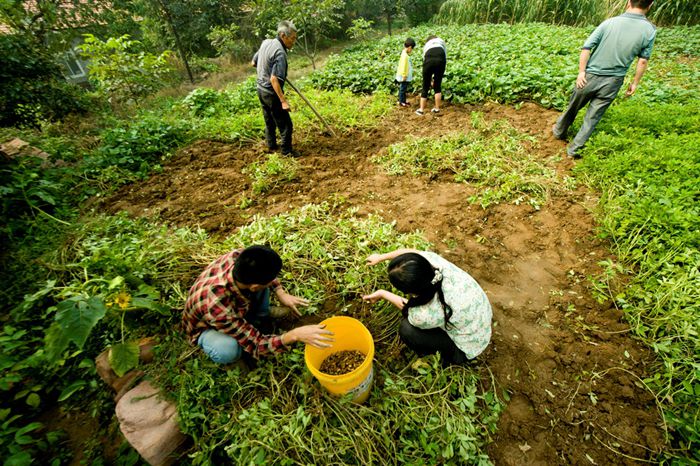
x=228 y=308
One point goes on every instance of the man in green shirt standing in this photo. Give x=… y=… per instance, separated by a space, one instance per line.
x=605 y=58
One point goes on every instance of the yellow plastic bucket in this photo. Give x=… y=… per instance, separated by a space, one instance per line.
x=349 y=335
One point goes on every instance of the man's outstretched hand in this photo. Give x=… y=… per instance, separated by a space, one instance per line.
x=314 y=335
x=292 y=302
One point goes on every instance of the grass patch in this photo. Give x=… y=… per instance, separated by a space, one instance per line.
x=493 y=156
x=418 y=412
x=271 y=172
x=235 y=115
x=648 y=173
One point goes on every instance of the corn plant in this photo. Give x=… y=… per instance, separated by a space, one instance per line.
x=570 y=12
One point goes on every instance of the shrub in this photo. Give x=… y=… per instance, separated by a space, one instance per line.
x=33 y=87
x=138 y=146
x=121 y=70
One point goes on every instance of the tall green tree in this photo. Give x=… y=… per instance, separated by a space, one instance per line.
x=420 y=11
x=315 y=20
x=183 y=25
x=389 y=10
x=191 y=20
x=52 y=23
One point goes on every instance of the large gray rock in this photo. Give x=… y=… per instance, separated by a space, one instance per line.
x=149 y=423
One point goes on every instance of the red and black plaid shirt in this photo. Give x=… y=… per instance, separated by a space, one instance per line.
x=215 y=302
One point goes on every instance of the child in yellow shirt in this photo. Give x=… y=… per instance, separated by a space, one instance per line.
x=404 y=72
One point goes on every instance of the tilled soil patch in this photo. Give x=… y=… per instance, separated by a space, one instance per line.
x=571 y=370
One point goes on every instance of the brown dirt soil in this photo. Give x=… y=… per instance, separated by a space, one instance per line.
x=342 y=362
x=570 y=367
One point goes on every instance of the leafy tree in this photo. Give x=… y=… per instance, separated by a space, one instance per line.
x=169 y=18
x=360 y=29
x=389 y=10
x=228 y=41
x=184 y=25
x=40 y=32
x=33 y=86
x=420 y=11
x=53 y=23
x=315 y=20
x=120 y=70
x=223 y=39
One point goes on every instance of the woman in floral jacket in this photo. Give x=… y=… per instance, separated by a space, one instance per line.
x=446 y=309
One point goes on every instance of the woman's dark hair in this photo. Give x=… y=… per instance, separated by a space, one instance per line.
x=409 y=42
x=257 y=265
x=411 y=273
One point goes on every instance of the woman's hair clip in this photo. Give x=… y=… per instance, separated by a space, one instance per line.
x=437 y=278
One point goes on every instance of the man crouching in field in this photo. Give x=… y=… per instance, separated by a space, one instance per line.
x=228 y=308
x=605 y=58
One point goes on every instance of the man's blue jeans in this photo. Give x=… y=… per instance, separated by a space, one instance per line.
x=224 y=349
x=599 y=92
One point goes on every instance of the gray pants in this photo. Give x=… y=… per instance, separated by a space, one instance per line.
x=600 y=91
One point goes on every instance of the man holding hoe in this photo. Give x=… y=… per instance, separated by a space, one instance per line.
x=228 y=308
x=271 y=62
x=605 y=58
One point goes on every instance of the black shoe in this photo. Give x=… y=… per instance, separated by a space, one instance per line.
x=271 y=149
x=561 y=137
x=292 y=153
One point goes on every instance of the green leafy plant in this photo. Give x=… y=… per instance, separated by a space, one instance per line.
x=228 y=42
x=315 y=20
x=418 y=412
x=492 y=156
x=33 y=86
x=649 y=212
x=269 y=173
x=29 y=190
x=108 y=278
x=478 y=64
x=360 y=29
x=121 y=70
x=201 y=101
x=137 y=147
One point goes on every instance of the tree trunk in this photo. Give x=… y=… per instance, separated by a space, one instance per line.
x=388 y=23
x=176 y=36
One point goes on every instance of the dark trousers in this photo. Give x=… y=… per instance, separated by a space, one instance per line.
x=599 y=92
x=403 y=86
x=433 y=71
x=431 y=341
x=276 y=118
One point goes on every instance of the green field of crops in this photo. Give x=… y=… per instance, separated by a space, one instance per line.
x=67 y=267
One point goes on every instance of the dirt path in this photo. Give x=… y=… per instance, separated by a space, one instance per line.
x=568 y=363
